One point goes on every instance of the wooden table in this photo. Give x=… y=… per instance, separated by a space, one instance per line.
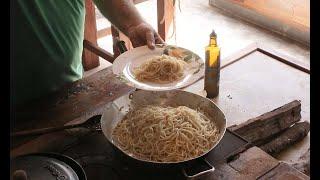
x=253 y=81
x=257 y=80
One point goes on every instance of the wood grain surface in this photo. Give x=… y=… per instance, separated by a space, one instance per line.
x=77 y=101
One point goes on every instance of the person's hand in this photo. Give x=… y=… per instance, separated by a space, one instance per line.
x=144 y=34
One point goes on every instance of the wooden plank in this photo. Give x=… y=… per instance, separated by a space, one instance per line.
x=77 y=101
x=283 y=58
x=284 y=172
x=289 y=137
x=269 y=52
x=165 y=13
x=253 y=162
x=89 y=59
x=270 y=123
x=226 y=172
x=98 y=51
x=282 y=139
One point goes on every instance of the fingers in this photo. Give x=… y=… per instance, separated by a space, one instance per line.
x=136 y=42
x=144 y=34
x=150 y=39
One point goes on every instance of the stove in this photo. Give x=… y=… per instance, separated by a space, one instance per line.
x=100 y=161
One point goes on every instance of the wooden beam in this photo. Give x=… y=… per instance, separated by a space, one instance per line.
x=276 y=131
x=98 y=51
x=289 y=137
x=283 y=171
x=269 y=124
x=89 y=59
x=165 y=12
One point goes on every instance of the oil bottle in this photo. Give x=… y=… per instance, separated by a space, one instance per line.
x=212 y=67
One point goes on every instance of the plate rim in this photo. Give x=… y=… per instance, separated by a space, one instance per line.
x=126 y=80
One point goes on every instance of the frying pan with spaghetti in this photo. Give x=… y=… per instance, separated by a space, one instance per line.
x=118 y=109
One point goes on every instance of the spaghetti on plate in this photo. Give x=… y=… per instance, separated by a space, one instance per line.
x=160 y=69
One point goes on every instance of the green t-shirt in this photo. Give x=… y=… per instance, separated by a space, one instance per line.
x=47 y=46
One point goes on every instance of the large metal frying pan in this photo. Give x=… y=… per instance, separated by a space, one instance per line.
x=116 y=110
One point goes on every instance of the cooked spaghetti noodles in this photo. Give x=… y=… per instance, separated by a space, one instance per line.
x=165 y=134
x=161 y=69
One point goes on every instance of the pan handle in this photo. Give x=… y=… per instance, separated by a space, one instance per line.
x=191 y=170
x=121 y=45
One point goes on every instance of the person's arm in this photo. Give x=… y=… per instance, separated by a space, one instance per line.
x=124 y=15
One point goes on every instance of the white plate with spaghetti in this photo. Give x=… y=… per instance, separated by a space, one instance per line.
x=166 y=67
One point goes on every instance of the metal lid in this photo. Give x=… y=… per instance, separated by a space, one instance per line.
x=47 y=166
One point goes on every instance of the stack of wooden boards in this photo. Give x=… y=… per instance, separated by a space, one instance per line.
x=277 y=130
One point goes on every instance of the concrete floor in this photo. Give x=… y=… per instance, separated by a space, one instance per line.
x=194 y=24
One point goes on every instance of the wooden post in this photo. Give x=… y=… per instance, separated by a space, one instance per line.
x=89 y=59
x=165 y=17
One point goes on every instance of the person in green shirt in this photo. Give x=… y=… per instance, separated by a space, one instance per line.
x=47 y=37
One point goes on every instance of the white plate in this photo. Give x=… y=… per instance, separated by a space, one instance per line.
x=125 y=63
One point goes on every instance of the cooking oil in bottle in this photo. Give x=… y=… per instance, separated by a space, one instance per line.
x=212 y=67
